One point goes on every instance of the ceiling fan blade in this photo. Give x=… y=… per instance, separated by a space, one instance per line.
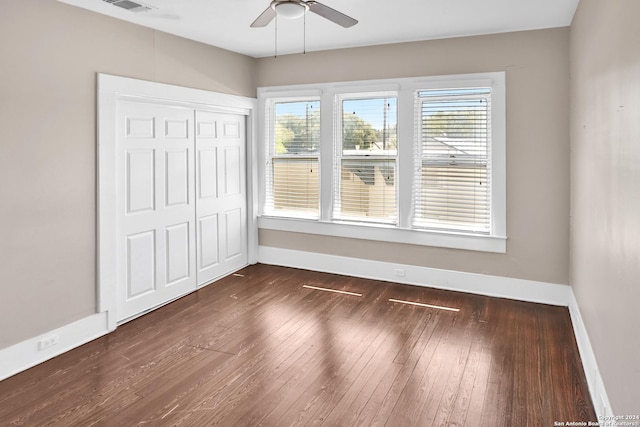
x=264 y=18
x=331 y=14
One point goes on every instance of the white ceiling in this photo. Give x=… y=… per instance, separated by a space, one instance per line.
x=225 y=23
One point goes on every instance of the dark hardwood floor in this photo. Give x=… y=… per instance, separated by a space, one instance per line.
x=260 y=349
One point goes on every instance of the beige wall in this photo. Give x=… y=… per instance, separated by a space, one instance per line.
x=605 y=189
x=50 y=54
x=537 y=68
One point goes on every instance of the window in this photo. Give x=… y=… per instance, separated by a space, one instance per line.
x=292 y=185
x=366 y=160
x=418 y=161
x=451 y=186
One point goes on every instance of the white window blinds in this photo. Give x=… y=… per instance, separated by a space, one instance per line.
x=451 y=184
x=365 y=181
x=292 y=187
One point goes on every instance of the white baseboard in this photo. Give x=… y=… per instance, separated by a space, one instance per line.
x=24 y=355
x=481 y=284
x=598 y=392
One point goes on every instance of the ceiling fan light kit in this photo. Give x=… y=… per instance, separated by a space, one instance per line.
x=289 y=9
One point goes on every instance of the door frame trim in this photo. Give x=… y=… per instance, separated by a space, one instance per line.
x=110 y=90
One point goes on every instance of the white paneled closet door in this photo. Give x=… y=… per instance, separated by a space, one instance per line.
x=221 y=205
x=155 y=208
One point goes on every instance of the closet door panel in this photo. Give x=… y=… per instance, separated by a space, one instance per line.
x=221 y=172
x=155 y=169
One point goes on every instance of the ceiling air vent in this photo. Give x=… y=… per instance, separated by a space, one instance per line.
x=128 y=5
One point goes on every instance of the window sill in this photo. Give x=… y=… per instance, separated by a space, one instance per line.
x=387 y=233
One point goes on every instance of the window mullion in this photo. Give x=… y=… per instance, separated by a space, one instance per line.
x=406 y=138
x=327 y=119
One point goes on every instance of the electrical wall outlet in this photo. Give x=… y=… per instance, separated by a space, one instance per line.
x=47 y=342
x=399 y=272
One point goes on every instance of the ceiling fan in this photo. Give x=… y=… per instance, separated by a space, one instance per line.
x=292 y=9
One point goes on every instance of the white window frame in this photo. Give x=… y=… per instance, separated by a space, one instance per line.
x=420 y=158
x=268 y=109
x=402 y=232
x=339 y=156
